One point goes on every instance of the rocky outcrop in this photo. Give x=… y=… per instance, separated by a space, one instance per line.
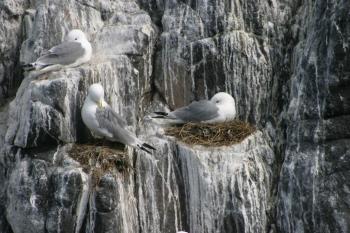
x=313 y=187
x=11 y=13
x=203 y=52
x=285 y=62
x=170 y=191
x=48 y=111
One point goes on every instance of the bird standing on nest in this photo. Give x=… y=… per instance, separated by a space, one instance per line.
x=73 y=51
x=104 y=122
x=220 y=108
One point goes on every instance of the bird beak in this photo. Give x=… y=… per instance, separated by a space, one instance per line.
x=100 y=103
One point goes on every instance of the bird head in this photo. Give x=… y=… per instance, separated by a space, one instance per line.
x=226 y=104
x=75 y=35
x=96 y=94
x=223 y=98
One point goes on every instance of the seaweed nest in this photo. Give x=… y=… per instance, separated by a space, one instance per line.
x=220 y=134
x=100 y=159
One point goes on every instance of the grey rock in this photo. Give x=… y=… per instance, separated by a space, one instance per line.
x=158 y=190
x=11 y=12
x=285 y=62
x=62 y=213
x=313 y=188
x=199 y=189
x=113 y=206
x=27 y=196
x=41 y=113
x=52 y=20
x=203 y=52
x=46 y=111
x=41 y=195
x=3 y=122
x=229 y=197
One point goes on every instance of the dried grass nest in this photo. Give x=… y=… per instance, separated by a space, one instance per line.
x=99 y=159
x=220 y=134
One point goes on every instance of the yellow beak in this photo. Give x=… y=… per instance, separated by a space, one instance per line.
x=100 y=103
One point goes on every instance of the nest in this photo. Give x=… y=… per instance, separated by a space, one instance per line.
x=100 y=159
x=221 y=134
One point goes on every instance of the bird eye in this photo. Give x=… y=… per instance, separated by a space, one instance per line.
x=217 y=101
x=76 y=38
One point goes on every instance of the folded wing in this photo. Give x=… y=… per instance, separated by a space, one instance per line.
x=111 y=122
x=63 y=54
x=197 y=111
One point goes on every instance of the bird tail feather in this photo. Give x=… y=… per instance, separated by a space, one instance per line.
x=160 y=115
x=28 y=67
x=146 y=147
x=34 y=66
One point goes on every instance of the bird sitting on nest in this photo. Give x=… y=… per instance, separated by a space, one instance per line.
x=104 y=122
x=220 y=108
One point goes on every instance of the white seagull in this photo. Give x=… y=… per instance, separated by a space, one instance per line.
x=104 y=122
x=73 y=51
x=220 y=108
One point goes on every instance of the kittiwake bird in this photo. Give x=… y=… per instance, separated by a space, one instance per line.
x=104 y=122
x=73 y=51
x=220 y=108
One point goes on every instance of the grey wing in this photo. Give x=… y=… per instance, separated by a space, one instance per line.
x=196 y=111
x=114 y=124
x=63 y=54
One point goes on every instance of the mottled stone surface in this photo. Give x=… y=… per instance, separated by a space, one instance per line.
x=205 y=190
x=48 y=111
x=216 y=47
x=44 y=112
x=314 y=186
x=228 y=189
x=11 y=13
x=285 y=62
x=159 y=190
x=27 y=195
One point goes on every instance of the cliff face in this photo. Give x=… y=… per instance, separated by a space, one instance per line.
x=285 y=62
x=313 y=188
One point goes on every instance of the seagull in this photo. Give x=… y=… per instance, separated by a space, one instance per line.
x=104 y=122
x=73 y=51
x=220 y=108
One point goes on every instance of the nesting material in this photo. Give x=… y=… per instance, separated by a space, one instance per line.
x=100 y=159
x=220 y=134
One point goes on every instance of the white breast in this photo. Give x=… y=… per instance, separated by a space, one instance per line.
x=88 y=51
x=225 y=113
x=87 y=55
x=88 y=114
